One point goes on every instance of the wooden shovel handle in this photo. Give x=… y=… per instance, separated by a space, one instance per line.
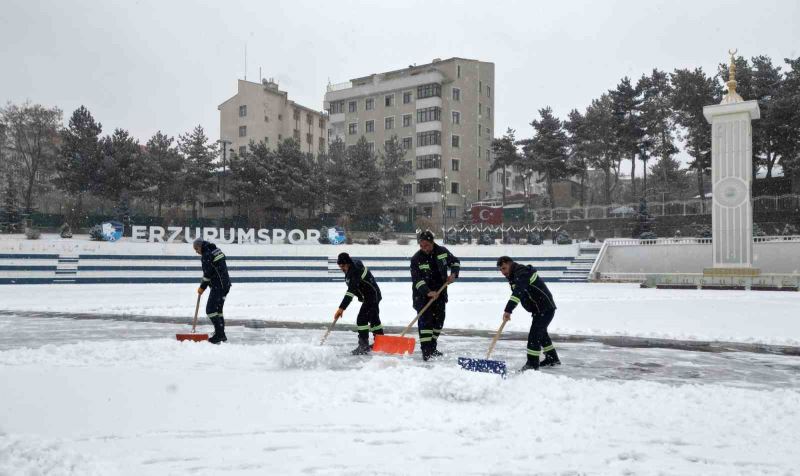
x=408 y=327
x=196 y=310
x=494 y=341
x=327 y=333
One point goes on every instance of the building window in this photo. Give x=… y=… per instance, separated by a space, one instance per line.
x=480 y=86
x=456 y=94
x=352 y=128
x=454 y=163
x=266 y=118
x=388 y=100
x=488 y=132
x=266 y=140
x=429 y=185
x=280 y=137
x=407 y=120
x=429 y=114
x=309 y=119
x=488 y=91
x=369 y=104
x=455 y=141
x=337 y=107
x=429 y=90
x=352 y=106
x=456 y=117
x=322 y=144
x=454 y=188
x=429 y=138
x=296 y=115
x=427 y=211
x=479 y=153
x=480 y=108
x=479 y=130
x=369 y=126
x=242 y=150
x=451 y=212
x=458 y=71
x=407 y=166
x=309 y=138
x=280 y=117
x=487 y=154
x=296 y=134
x=321 y=123
x=242 y=131
x=330 y=132
x=433 y=161
x=408 y=143
x=407 y=189
x=488 y=112
x=388 y=123
x=243 y=111
x=371 y=147
x=479 y=177
x=407 y=97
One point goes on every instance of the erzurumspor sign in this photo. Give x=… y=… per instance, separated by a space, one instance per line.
x=160 y=234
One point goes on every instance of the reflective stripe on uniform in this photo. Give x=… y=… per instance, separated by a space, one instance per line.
x=534 y=353
x=350 y=294
x=363 y=328
x=219 y=257
x=455 y=264
x=437 y=331
x=215 y=314
x=364 y=274
x=420 y=284
x=424 y=266
x=514 y=299
x=206 y=279
x=426 y=332
x=376 y=328
x=533 y=278
x=425 y=339
x=442 y=256
x=549 y=348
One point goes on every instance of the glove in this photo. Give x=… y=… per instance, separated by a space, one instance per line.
x=200 y=290
x=506 y=316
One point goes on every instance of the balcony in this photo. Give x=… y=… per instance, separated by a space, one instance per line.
x=428 y=197
x=422 y=174
x=434 y=101
x=429 y=126
x=338 y=117
x=428 y=150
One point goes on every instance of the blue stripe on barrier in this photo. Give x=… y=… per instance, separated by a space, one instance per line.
x=197 y=257
x=27 y=267
x=199 y=268
x=242 y=279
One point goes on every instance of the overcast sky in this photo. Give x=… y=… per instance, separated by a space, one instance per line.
x=163 y=65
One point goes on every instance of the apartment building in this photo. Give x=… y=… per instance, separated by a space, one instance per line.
x=443 y=114
x=262 y=112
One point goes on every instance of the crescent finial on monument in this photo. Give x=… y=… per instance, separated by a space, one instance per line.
x=732 y=96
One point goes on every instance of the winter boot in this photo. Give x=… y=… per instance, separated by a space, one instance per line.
x=531 y=364
x=427 y=350
x=550 y=359
x=435 y=352
x=219 y=330
x=363 y=346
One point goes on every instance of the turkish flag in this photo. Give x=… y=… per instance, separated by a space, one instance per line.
x=487 y=215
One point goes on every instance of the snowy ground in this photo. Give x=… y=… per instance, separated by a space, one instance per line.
x=768 y=317
x=111 y=397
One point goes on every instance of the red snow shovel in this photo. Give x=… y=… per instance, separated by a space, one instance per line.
x=400 y=344
x=193 y=337
x=486 y=365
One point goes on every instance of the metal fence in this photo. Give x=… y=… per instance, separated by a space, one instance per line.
x=782 y=203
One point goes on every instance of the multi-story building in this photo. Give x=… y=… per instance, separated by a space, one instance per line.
x=262 y=112
x=443 y=114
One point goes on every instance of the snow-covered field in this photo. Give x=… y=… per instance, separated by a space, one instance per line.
x=110 y=397
x=769 y=317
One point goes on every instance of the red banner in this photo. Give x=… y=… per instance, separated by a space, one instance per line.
x=487 y=215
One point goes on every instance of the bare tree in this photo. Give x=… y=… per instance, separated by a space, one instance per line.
x=32 y=139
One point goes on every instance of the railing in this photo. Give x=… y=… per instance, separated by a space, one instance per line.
x=339 y=86
x=671 y=208
x=691 y=241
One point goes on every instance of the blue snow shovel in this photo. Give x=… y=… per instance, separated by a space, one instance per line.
x=486 y=365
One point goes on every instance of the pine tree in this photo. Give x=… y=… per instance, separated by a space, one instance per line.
x=122 y=169
x=395 y=169
x=366 y=180
x=578 y=141
x=291 y=175
x=504 y=155
x=657 y=120
x=79 y=157
x=10 y=217
x=342 y=188
x=692 y=91
x=626 y=102
x=199 y=156
x=788 y=103
x=601 y=144
x=546 y=152
x=164 y=168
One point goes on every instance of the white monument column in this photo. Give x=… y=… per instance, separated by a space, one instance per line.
x=731 y=178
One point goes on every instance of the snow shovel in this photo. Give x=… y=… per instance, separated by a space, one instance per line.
x=400 y=344
x=193 y=337
x=328 y=332
x=486 y=365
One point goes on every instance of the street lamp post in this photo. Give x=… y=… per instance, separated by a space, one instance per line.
x=222 y=179
x=444 y=209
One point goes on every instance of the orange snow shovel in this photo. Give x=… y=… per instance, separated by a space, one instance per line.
x=193 y=336
x=400 y=344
